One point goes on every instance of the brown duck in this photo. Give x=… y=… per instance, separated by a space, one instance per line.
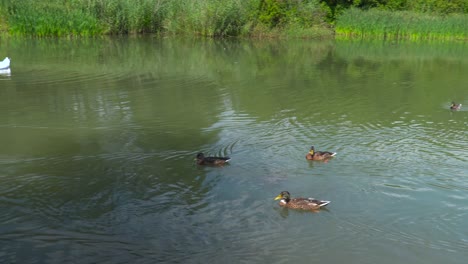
x=319 y=155
x=202 y=160
x=299 y=203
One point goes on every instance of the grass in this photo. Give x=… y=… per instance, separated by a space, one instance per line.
x=207 y=17
x=56 y=18
x=401 y=25
x=219 y=18
x=210 y=18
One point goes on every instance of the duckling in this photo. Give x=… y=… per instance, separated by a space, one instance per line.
x=202 y=160
x=319 y=155
x=455 y=106
x=299 y=203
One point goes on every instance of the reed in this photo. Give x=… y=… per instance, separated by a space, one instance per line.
x=43 y=18
x=212 y=18
x=126 y=16
x=401 y=25
x=207 y=17
x=3 y=24
x=91 y=17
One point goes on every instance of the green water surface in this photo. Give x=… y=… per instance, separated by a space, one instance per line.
x=98 y=139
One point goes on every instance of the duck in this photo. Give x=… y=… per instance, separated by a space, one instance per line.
x=202 y=160
x=299 y=203
x=5 y=64
x=319 y=155
x=455 y=106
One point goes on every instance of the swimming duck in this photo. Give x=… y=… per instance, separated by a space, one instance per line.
x=455 y=106
x=5 y=64
x=319 y=155
x=202 y=160
x=299 y=203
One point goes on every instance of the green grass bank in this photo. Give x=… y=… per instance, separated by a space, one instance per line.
x=396 y=19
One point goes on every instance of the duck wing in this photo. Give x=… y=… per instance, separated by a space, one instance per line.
x=307 y=203
x=318 y=202
x=326 y=153
x=216 y=159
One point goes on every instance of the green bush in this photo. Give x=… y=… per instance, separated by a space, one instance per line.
x=438 y=6
x=280 y=13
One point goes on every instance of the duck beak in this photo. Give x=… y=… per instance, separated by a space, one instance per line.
x=278 y=197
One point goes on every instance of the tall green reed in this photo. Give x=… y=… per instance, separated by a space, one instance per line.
x=127 y=16
x=194 y=17
x=56 y=18
x=206 y=17
x=401 y=25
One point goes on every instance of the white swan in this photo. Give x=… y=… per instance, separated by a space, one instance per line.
x=5 y=64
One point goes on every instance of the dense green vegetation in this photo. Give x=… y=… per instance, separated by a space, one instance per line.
x=253 y=18
x=201 y=17
x=401 y=25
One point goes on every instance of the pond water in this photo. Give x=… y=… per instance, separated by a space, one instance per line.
x=98 y=139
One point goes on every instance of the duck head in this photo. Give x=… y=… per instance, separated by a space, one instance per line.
x=312 y=150
x=284 y=196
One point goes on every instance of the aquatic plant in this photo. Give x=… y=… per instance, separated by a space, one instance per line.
x=257 y=18
x=201 y=17
x=376 y=23
x=206 y=17
x=49 y=18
